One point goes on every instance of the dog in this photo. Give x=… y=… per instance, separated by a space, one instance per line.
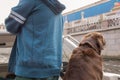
x=86 y=60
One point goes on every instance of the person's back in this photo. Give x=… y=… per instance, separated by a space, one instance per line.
x=39 y=39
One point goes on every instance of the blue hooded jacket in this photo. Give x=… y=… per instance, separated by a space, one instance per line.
x=37 y=51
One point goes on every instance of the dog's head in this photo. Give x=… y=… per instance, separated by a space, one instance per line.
x=95 y=40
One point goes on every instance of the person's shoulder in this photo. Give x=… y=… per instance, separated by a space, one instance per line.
x=27 y=1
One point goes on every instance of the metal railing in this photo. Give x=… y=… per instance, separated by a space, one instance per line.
x=69 y=43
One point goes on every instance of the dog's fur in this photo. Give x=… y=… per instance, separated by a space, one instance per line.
x=86 y=61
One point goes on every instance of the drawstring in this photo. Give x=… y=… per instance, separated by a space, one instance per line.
x=54 y=5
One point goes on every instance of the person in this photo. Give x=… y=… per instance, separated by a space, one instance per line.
x=37 y=51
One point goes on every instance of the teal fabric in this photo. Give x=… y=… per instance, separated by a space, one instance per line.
x=49 y=78
x=54 y=5
x=38 y=50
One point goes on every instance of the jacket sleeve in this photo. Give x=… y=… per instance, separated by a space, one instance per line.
x=18 y=15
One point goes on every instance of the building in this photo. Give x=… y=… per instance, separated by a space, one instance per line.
x=99 y=15
x=2 y=27
x=97 y=8
x=102 y=16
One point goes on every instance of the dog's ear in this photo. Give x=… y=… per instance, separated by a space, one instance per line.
x=101 y=41
x=95 y=40
x=89 y=41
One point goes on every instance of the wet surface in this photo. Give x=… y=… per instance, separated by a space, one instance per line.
x=4 y=58
x=111 y=65
x=4 y=55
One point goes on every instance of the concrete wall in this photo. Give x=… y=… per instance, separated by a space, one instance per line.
x=6 y=40
x=112 y=36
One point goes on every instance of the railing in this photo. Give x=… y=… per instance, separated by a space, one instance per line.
x=98 y=25
x=69 y=43
x=72 y=40
x=93 y=23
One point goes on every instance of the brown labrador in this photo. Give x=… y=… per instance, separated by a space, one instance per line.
x=86 y=60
